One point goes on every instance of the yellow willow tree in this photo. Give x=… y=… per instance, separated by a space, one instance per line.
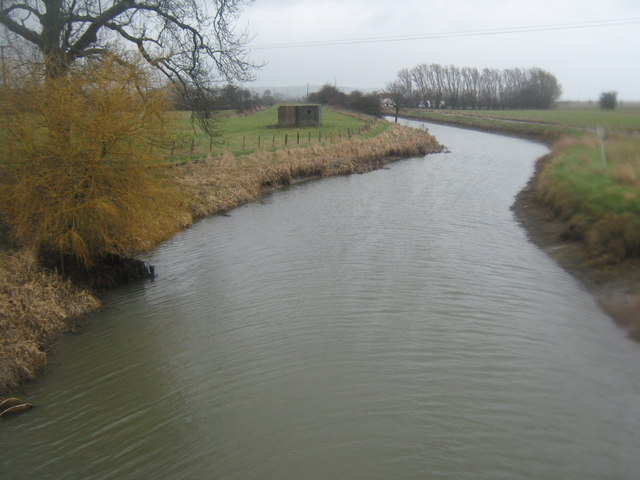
x=79 y=154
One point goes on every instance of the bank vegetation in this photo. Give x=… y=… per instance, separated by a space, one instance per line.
x=596 y=189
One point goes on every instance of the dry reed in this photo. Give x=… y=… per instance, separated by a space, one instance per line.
x=222 y=183
x=35 y=307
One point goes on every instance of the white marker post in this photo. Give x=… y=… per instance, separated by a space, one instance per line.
x=600 y=134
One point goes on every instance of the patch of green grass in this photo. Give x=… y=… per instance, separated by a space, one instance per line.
x=376 y=129
x=583 y=175
x=245 y=134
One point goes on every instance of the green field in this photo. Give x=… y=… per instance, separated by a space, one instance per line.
x=626 y=121
x=244 y=134
x=548 y=132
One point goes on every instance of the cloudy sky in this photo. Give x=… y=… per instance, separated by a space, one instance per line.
x=591 y=46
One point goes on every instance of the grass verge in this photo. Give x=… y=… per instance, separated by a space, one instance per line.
x=598 y=197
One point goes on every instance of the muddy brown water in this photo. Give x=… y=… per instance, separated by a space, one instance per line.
x=392 y=325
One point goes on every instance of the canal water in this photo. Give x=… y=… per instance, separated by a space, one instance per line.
x=391 y=325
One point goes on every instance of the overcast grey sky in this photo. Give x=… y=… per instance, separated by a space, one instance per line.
x=586 y=60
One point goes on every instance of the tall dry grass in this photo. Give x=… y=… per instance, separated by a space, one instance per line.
x=224 y=182
x=35 y=307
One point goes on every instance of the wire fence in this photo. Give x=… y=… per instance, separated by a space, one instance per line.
x=247 y=143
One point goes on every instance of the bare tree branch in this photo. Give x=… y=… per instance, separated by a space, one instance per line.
x=8 y=21
x=179 y=38
x=175 y=34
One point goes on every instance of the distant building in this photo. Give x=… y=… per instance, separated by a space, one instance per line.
x=299 y=116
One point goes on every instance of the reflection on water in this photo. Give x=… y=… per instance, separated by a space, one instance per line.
x=389 y=325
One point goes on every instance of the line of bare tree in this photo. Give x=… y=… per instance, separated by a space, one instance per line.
x=449 y=86
x=368 y=103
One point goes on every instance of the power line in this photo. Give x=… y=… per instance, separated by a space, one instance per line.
x=462 y=33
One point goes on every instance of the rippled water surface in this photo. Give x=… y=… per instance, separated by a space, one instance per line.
x=393 y=325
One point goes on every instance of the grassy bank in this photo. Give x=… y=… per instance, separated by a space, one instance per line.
x=36 y=306
x=598 y=196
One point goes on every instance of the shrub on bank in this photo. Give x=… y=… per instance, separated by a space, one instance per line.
x=79 y=176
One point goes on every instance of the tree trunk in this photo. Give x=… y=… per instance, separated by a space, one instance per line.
x=54 y=56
